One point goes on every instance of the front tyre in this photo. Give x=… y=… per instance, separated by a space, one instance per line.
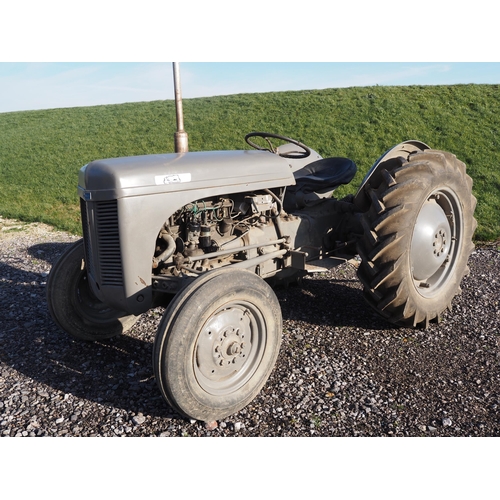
x=217 y=344
x=417 y=236
x=74 y=307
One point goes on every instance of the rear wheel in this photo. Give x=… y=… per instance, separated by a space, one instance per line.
x=417 y=237
x=217 y=344
x=74 y=307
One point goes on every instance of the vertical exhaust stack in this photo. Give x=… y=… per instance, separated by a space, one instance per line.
x=180 y=137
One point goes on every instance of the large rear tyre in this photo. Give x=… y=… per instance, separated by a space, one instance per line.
x=74 y=307
x=417 y=237
x=217 y=344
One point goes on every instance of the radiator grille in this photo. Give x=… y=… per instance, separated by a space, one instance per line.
x=108 y=242
x=103 y=251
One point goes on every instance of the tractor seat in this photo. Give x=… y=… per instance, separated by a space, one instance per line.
x=317 y=181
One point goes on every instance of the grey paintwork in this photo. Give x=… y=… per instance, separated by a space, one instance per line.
x=117 y=178
x=149 y=189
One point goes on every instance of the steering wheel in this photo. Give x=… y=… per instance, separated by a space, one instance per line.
x=291 y=154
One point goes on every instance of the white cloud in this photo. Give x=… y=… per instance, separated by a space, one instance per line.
x=39 y=87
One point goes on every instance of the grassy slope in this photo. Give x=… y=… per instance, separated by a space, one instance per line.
x=42 y=151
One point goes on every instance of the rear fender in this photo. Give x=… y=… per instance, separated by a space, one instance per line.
x=404 y=149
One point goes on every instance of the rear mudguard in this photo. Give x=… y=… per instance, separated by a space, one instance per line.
x=403 y=149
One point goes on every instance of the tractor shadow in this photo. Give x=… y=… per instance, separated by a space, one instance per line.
x=330 y=301
x=118 y=372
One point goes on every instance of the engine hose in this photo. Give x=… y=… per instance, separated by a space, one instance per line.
x=276 y=222
x=169 y=251
x=278 y=201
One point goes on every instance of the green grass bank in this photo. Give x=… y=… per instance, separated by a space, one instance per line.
x=42 y=151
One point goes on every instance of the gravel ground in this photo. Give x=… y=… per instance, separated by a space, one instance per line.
x=342 y=371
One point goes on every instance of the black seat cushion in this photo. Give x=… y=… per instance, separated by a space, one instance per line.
x=318 y=180
x=325 y=174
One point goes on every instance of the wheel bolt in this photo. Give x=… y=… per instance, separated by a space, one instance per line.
x=233 y=349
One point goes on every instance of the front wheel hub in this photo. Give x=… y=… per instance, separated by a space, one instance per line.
x=229 y=349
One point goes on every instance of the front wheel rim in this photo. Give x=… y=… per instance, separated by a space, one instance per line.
x=436 y=242
x=229 y=348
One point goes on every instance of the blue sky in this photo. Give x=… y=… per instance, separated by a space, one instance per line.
x=39 y=85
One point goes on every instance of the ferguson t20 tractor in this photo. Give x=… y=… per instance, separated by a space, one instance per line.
x=205 y=234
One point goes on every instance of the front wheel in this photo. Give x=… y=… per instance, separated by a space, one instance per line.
x=74 y=307
x=417 y=237
x=217 y=344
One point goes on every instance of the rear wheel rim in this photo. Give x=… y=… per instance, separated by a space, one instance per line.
x=436 y=242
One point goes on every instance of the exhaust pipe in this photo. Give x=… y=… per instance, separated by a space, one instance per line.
x=180 y=137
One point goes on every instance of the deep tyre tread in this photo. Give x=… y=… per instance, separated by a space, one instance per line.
x=190 y=376
x=409 y=188
x=74 y=307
